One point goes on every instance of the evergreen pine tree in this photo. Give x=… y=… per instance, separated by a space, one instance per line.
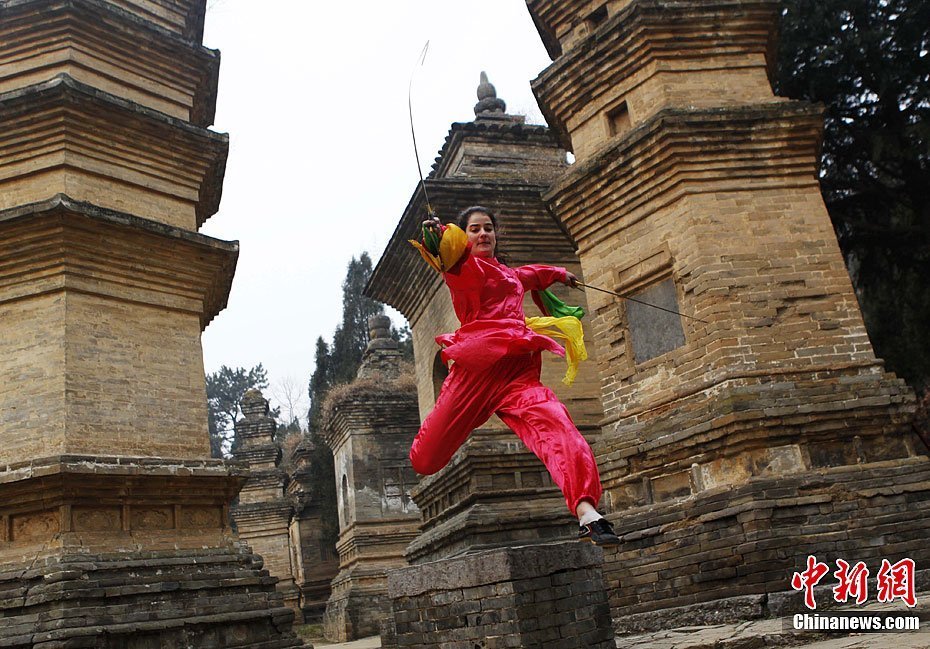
x=351 y=336
x=225 y=388
x=320 y=382
x=337 y=365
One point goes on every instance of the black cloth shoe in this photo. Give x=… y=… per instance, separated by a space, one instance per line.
x=599 y=532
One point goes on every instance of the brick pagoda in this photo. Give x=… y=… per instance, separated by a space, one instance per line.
x=759 y=427
x=315 y=561
x=369 y=426
x=263 y=513
x=113 y=518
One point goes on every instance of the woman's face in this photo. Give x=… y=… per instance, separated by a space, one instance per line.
x=481 y=235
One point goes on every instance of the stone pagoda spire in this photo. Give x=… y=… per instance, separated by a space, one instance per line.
x=488 y=102
x=113 y=517
x=762 y=413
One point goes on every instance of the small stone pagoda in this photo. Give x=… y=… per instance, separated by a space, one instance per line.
x=494 y=492
x=758 y=427
x=113 y=518
x=369 y=426
x=315 y=562
x=263 y=514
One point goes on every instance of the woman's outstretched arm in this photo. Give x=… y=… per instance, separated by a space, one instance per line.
x=538 y=277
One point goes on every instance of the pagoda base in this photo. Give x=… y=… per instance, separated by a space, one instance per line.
x=494 y=493
x=130 y=553
x=533 y=596
x=357 y=605
x=210 y=598
x=358 y=601
x=733 y=543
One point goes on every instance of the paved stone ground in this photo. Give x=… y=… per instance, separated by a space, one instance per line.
x=758 y=634
x=767 y=633
x=753 y=635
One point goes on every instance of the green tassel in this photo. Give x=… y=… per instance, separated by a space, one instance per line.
x=431 y=240
x=557 y=308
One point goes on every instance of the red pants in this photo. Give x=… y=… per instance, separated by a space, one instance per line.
x=511 y=389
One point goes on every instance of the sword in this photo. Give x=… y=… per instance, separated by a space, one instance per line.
x=633 y=299
x=421 y=59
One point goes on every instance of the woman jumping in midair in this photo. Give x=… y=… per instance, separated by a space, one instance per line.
x=496 y=361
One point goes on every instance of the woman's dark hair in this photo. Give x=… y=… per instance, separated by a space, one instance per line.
x=465 y=214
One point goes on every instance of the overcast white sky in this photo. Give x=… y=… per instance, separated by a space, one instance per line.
x=321 y=165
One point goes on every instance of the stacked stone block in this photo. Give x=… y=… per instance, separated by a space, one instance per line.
x=548 y=596
x=263 y=513
x=174 y=598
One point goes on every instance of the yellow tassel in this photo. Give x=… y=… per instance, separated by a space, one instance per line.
x=452 y=245
x=568 y=329
x=432 y=260
x=451 y=248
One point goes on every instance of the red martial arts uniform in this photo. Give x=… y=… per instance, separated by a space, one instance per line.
x=496 y=370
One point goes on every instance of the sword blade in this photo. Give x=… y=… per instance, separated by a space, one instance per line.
x=633 y=299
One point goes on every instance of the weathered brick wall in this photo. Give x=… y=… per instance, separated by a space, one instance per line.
x=179 y=79
x=163 y=382
x=591 y=94
x=32 y=356
x=733 y=542
x=791 y=299
x=153 y=360
x=136 y=136
x=678 y=84
x=534 y=596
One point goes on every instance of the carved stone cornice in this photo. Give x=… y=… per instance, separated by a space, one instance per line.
x=648 y=35
x=120 y=496
x=680 y=152
x=55 y=245
x=387 y=413
x=97 y=44
x=503 y=147
x=65 y=137
x=182 y=17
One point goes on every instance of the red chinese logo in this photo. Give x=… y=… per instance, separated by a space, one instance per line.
x=809 y=578
x=894 y=581
x=852 y=583
x=897 y=581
